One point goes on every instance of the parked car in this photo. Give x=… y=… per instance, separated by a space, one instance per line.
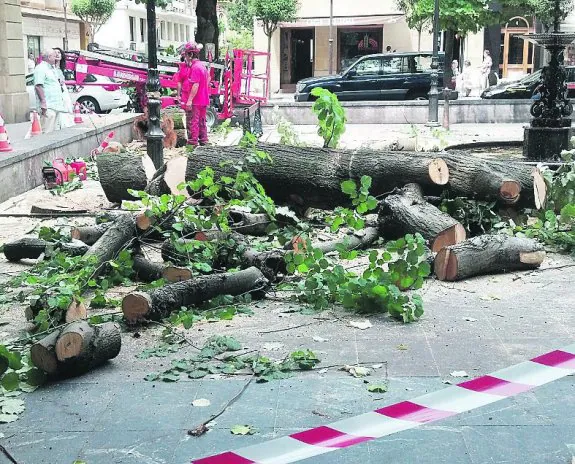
x=390 y=76
x=524 y=87
x=100 y=94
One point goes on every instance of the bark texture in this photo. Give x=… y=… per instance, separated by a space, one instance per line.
x=208 y=30
x=32 y=248
x=119 y=172
x=89 y=234
x=159 y=303
x=147 y=271
x=408 y=213
x=487 y=254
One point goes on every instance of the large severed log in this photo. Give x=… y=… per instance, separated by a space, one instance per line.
x=89 y=234
x=43 y=353
x=159 y=303
x=407 y=212
x=488 y=254
x=113 y=240
x=506 y=182
x=33 y=248
x=122 y=171
x=147 y=271
x=81 y=347
x=311 y=177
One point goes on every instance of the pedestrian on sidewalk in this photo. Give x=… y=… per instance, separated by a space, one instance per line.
x=66 y=119
x=193 y=93
x=49 y=92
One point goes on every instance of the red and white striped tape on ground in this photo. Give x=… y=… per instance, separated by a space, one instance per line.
x=407 y=414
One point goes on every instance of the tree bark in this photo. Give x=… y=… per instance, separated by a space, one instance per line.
x=408 y=213
x=81 y=347
x=208 y=30
x=89 y=234
x=311 y=177
x=119 y=172
x=249 y=223
x=113 y=240
x=159 y=303
x=33 y=248
x=147 y=271
x=487 y=254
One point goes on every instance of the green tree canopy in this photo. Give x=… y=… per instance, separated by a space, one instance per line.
x=240 y=16
x=94 y=13
x=272 y=12
x=543 y=10
x=463 y=16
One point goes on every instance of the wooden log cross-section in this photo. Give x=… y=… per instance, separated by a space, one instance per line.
x=407 y=212
x=159 y=303
x=488 y=254
x=76 y=349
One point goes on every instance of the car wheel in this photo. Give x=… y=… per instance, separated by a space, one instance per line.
x=211 y=117
x=88 y=105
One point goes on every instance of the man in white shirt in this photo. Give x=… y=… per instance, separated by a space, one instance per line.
x=49 y=92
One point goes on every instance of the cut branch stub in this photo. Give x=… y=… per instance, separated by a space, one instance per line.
x=438 y=171
x=487 y=254
x=89 y=234
x=539 y=188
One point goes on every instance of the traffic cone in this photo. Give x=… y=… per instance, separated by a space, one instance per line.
x=36 y=128
x=4 y=142
x=103 y=145
x=77 y=115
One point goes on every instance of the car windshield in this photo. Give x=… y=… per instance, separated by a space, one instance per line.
x=531 y=78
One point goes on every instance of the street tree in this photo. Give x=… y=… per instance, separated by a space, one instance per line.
x=95 y=13
x=240 y=16
x=414 y=17
x=544 y=10
x=272 y=12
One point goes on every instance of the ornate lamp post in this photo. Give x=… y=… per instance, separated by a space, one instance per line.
x=433 y=119
x=550 y=129
x=154 y=136
x=331 y=37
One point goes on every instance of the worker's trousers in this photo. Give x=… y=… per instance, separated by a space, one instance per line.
x=197 y=127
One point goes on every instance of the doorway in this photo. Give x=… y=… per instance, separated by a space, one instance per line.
x=302 y=43
x=518 y=55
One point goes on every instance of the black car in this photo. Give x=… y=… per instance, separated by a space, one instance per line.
x=524 y=87
x=390 y=76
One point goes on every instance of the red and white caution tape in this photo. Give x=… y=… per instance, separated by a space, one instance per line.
x=407 y=414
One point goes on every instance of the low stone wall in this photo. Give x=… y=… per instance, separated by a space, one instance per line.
x=408 y=112
x=21 y=169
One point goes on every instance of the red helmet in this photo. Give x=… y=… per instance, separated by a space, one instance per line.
x=191 y=47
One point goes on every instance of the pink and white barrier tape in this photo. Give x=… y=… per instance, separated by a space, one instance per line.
x=407 y=414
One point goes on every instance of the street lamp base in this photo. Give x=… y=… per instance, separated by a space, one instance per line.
x=432 y=124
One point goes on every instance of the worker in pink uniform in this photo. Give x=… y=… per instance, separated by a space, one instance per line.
x=193 y=93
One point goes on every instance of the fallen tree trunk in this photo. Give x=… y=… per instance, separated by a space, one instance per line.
x=43 y=353
x=359 y=240
x=487 y=254
x=408 y=213
x=113 y=240
x=159 y=303
x=81 y=347
x=33 y=248
x=249 y=223
x=147 y=271
x=483 y=179
x=89 y=234
x=122 y=171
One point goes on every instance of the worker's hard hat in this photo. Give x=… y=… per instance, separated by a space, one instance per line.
x=191 y=47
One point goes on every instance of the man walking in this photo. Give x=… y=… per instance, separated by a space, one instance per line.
x=49 y=92
x=193 y=93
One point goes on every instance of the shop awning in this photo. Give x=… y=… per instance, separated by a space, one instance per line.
x=345 y=21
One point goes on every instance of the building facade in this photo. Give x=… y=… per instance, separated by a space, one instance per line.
x=128 y=29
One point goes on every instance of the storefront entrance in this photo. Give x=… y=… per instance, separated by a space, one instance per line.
x=297 y=49
x=357 y=42
x=517 y=55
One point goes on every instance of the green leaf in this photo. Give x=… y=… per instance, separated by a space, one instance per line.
x=170 y=377
x=366 y=182
x=3 y=364
x=10 y=381
x=197 y=374
x=424 y=269
x=380 y=290
x=35 y=377
x=242 y=430
x=303 y=268
x=377 y=388
x=348 y=187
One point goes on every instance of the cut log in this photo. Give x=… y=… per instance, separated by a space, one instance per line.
x=113 y=240
x=249 y=223
x=270 y=263
x=109 y=215
x=76 y=309
x=311 y=177
x=147 y=271
x=33 y=248
x=487 y=254
x=539 y=189
x=119 y=172
x=408 y=213
x=176 y=273
x=359 y=240
x=169 y=177
x=89 y=234
x=159 y=303
x=483 y=179
x=81 y=347
x=43 y=353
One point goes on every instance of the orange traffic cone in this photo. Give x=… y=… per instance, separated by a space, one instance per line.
x=77 y=115
x=103 y=145
x=4 y=142
x=36 y=128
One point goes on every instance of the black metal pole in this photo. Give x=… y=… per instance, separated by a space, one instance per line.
x=154 y=136
x=433 y=119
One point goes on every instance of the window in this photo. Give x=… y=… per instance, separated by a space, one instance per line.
x=176 y=32
x=182 y=33
x=170 y=31
x=142 y=30
x=34 y=46
x=423 y=63
x=163 y=30
x=132 y=28
x=187 y=33
x=369 y=67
